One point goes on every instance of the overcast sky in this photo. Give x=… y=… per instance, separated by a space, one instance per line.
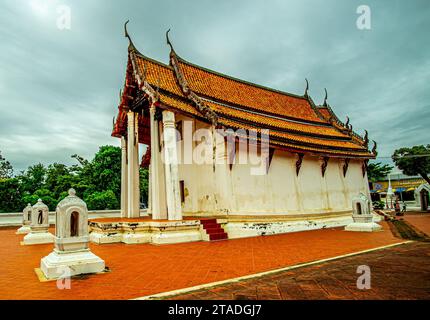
x=59 y=88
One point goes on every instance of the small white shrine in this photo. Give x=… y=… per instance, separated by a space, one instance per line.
x=26 y=220
x=362 y=215
x=39 y=225
x=71 y=255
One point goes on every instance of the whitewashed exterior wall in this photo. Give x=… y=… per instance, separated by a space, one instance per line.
x=280 y=192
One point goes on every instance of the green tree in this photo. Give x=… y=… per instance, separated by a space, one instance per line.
x=33 y=178
x=59 y=179
x=414 y=161
x=100 y=174
x=377 y=171
x=144 y=178
x=10 y=195
x=6 y=169
x=104 y=200
x=97 y=181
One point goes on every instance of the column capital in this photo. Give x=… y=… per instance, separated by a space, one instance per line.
x=168 y=119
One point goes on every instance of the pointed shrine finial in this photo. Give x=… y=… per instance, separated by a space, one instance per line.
x=307 y=87
x=347 y=122
x=325 y=99
x=131 y=46
x=168 y=40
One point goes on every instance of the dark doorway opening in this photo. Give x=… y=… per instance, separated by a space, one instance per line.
x=74 y=219
x=424 y=194
x=359 y=208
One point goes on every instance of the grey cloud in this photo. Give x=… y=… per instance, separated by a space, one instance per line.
x=60 y=89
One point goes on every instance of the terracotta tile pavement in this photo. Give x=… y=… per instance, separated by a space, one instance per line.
x=139 y=270
x=401 y=272
x=420 y=221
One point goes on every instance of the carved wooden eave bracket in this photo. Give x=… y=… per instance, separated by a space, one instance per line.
x=299 y=161
x=269 y=162
x=345 y=165
x=324 y=164
x=206 y=111
x=364 y=167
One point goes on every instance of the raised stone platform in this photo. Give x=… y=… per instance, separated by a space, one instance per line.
x=144 y=230
x=252 y=226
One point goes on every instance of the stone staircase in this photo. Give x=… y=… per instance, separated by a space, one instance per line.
x=212 y=230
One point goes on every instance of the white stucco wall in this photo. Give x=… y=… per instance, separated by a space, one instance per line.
x=280 y=192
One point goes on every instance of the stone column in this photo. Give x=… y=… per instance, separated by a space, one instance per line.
x=222 y=173
x=173 y=197
x=149 y=208
x=124 y=176
x=157 y=209
x=133 y=167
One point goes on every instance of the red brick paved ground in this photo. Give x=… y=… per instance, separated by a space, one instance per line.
x=401 y=272
x=419 y=220
x=139 y=270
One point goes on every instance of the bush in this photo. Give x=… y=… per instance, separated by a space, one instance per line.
x=104 y=200
x=378 y=204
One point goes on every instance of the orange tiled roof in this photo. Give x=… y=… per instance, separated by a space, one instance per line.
x=292 y=120
x=325 y=112
x=259 y=119
x=228 y=89
x=298 y=139
x=158 y=74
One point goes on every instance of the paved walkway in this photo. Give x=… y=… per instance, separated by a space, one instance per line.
x=401 y=272
x=140 y=270
x=420 y=221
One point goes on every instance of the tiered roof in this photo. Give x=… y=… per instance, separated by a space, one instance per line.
x=295 y=122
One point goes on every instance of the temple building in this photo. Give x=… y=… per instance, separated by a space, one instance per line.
x=313 y=163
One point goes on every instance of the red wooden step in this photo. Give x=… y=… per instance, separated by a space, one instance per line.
x=218 y=236
x=214 y=230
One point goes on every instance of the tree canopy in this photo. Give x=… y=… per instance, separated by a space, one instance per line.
x=6 y=170
x=377 y=171
x=414 y=161
x=97 y=181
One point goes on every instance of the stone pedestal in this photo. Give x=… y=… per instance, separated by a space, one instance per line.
x=26 y=220
x=362 y=216
x=58 y=264
x=39 y=226
x=38 y=238
x=24 y=230
x=71 y=255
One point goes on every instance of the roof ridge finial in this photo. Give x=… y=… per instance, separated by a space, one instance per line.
x=325 y=98
x=374 y=149
x=131 y=46
x=366 y=137
x=307 y=87
x=168 y=40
